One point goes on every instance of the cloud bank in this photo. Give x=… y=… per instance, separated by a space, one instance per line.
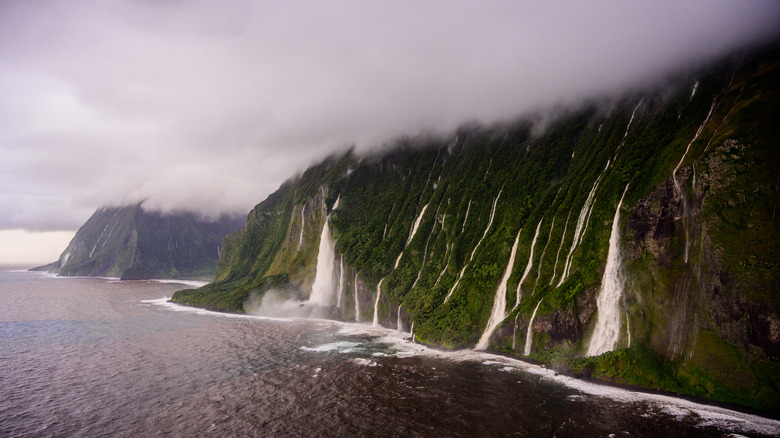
x=210 y=105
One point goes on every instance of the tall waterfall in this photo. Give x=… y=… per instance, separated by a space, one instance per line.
x=607 y=331
x=357 y=302
x=499 y=302
x=584 y=213
x=376 y=303
x=529 y=334
x=399 y=323
x=339 y=298
x=560 y=246
x=529 y=265
x=303 y=222
x=416 y=224
x=323 y=288
x=679 y=189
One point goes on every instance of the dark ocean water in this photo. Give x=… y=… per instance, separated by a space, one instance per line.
x=99 y=357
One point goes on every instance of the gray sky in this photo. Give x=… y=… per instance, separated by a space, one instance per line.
x=212 y=104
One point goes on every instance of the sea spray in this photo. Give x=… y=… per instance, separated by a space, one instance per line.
x=471 y=257
x=499 y=302
x=322 y=289
x=528 y=266
x=605 y=335
x=529 y=334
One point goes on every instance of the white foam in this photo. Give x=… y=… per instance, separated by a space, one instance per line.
x=193 y=283
x=341 y=347
x=364 y=362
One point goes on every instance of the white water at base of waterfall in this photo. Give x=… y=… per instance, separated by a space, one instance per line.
x=529 y=334
x=322 y=288
x=528 y=266
x=499 y=301
x=607 y=332
x=471 y=257
x=357 y=302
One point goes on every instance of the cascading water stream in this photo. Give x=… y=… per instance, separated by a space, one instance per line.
x=544 y=251
x=303 y=222
x=471 y=257
x=322 y=288
x=560 y=246
x=399 y=323
x=339 y=299
x=528 y=266
x=466 y=218
x=336 y=204
x=499 y=302
x=397 y=261
x=584 y=213
x=416 y=225
x=529 y=334
x=678 y=188
x=607 y=332
x=357 y=302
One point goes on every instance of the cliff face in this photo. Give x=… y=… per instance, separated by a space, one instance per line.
x=131 y=243
x=643 y=235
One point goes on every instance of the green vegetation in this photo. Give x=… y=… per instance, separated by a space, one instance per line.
x=700 y=261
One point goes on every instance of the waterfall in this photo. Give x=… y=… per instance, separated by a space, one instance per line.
x=398 y=323
x=607 y=331
x=65 y=259
x=499 y=302
x=416 y=224
x=336 y=204
x=628 y=330
x=411 y=332
x=322 y=289
x=560 y=246
x=544 y=250
x=528 y=266
x=357 y=302
x=341 y=282
x=693 y=92
x=303 y=221
x=514 y=333
x=462 y=271
x=463 y=228
x=98 y=241
x=584 y=213
x=529 y=334
x=678 y=188
x=376 y=303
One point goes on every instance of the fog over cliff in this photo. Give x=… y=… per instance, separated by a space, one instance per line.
x=211 y=104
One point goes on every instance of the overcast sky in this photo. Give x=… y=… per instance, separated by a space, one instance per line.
x=212 y=104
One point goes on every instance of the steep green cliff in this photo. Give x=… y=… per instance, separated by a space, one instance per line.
x=424 y=231
x=132 y=243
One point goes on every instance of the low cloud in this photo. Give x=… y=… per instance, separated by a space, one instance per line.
x=210 y=105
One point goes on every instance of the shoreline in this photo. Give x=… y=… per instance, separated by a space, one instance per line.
x=710 y=412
